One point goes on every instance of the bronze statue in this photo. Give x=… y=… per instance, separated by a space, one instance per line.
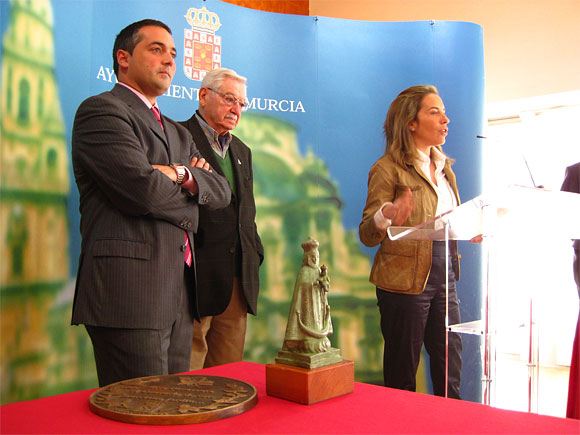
x=306 y=342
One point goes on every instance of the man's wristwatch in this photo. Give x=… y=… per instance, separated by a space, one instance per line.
x=180 y=171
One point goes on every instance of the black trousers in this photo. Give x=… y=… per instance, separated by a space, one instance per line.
x=408 y=321
x=132 y=353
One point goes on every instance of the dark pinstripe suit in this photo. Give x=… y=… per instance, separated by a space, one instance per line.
x=133 y=218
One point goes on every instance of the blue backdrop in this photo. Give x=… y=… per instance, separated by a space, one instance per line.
x=341 y=74
x=332 y=79
x=344 y=73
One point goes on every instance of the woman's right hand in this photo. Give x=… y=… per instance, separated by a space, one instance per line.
x=400 y=210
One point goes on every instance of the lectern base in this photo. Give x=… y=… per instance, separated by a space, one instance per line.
x=309 y=386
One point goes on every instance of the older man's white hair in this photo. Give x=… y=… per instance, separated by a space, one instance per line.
x=214 y=78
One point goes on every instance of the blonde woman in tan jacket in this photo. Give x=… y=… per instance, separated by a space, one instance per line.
x=410 y=184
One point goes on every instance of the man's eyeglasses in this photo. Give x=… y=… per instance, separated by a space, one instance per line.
x=230 y=100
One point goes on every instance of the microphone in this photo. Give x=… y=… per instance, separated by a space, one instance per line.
x=530 y=172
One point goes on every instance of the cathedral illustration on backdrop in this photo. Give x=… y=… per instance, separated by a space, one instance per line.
x=40 y=353
x=296 y=198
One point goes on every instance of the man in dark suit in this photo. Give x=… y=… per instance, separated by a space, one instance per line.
x=227 y=245
x=142 y=184
x=572 y=184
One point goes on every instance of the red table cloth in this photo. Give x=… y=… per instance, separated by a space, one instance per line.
x=369 y=409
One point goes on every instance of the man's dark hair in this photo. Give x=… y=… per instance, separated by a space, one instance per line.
x=129 y=37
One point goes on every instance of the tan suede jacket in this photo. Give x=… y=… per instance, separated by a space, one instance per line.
x=402 y=266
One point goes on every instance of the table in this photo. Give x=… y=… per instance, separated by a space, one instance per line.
x=369 y=409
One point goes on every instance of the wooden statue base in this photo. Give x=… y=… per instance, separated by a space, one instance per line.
x=309 y=386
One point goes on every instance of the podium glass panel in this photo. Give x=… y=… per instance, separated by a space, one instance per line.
x=516 y=216
x=463 y=223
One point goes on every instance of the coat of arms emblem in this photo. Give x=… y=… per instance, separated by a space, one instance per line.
x=202 y=47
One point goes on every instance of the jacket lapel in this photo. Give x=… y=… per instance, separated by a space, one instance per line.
x=172 y=142
x=135 y=103
x=203 y=145
x=452 y=181
x=238 y=167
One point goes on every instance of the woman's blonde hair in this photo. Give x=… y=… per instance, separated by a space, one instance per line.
x=399 y=140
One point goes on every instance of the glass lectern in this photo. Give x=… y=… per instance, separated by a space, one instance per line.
x=516 y=212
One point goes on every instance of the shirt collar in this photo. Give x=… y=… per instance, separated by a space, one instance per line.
x=437 y=156
x=141 y=96
x=221 y=146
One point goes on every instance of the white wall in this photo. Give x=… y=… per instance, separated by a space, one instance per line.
x=532 y=47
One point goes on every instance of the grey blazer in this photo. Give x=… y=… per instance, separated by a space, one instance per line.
x=133 y=218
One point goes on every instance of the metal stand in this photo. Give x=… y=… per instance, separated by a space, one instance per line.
x=446 y=228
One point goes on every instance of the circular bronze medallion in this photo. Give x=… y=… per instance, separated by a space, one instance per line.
x=173 y=399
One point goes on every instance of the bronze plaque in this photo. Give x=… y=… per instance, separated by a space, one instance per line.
x=173 y=399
